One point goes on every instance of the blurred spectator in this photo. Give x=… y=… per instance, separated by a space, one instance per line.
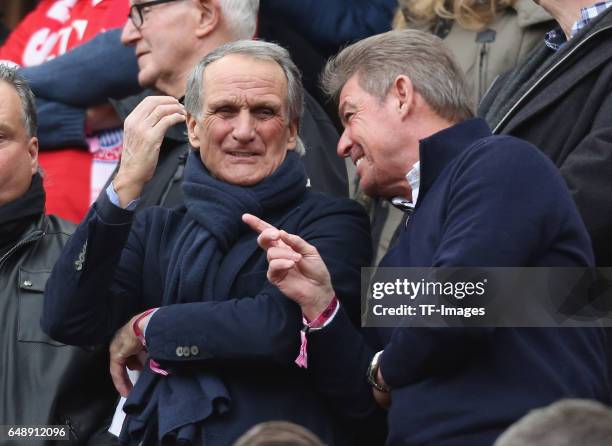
x=278 y=433
x=568 y=422
x=56 y=26
x=560 y=100
x=71 y=86
x=42 y=381
x=73 y=174
x=329 y=25
x=487 y=39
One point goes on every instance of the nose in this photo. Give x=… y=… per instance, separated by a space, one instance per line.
x=129 y=34
x=244 y=128
x=345 y=144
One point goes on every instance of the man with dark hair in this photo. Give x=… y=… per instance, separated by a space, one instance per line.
x=41 y=381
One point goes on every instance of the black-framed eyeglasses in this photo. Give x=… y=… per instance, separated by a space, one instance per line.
x=136 y=11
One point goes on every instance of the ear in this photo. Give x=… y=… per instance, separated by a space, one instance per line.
x=209 y=17
x=403 y=92
x=33 y=152
x=293 y=133
x=194 y=139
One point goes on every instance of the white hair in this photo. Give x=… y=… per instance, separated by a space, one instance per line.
x=241 y=17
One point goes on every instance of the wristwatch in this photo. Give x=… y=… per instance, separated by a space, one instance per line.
x=373 y=374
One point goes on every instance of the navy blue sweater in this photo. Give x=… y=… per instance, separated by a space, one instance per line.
x=483 y=201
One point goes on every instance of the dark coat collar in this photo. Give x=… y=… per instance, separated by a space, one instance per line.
x=440 y=149
x=592 y=56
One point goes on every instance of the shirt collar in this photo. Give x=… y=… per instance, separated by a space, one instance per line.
x=588 y=14
x=555 y=38
x=414 y=179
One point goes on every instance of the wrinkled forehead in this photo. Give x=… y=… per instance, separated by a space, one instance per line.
x=239 y=75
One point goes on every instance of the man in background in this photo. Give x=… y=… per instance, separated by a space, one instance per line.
x=42 y=381
x=559 y=99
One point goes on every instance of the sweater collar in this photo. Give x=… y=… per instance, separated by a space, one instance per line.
x=437 y=151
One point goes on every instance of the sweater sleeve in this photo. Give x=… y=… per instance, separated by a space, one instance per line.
x=60 y=125
x=81 y=78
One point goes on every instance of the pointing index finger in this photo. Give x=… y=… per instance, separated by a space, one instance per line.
x=256 y=223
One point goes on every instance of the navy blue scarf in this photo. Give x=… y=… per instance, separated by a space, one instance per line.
x=214 y=211
x=182 y=401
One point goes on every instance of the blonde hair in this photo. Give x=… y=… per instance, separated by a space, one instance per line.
x=469 y=14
